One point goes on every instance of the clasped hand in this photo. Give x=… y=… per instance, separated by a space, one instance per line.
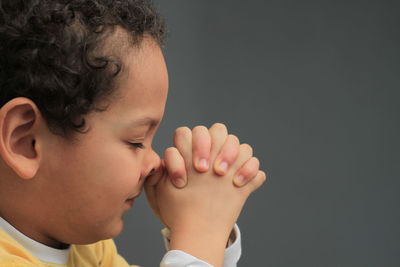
x=204 y=179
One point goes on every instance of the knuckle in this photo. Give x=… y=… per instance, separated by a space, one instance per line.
x=246 y=149
x=182 y=131
x=264 y=176
x=234 y=138
x=256 y=162
x=200 y=128
x=261 y=178
x=219 y=126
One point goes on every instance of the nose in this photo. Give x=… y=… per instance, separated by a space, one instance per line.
x=151 y=162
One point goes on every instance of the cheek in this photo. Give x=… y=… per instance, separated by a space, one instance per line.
x=101 y=183
x=100 y=173
x=114 y=168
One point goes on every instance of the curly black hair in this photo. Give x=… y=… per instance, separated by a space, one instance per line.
x=55 y=53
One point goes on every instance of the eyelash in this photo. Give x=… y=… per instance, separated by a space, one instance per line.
x=137 y=145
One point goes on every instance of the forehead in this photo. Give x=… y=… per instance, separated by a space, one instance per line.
x=142 y=85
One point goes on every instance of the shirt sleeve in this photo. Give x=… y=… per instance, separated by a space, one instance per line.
x=178 y=258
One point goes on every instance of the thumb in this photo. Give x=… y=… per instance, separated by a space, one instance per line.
x=175 y=166
x=150 y=189
x=155 y=177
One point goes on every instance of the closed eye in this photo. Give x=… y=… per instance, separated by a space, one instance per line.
x=137 y=145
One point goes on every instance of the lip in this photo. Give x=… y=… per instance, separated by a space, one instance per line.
x=131 y=200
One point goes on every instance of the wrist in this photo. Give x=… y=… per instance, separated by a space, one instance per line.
x=204 y=243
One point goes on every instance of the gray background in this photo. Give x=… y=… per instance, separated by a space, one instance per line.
x=313 y=86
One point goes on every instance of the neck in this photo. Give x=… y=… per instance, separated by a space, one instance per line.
x=38 y=250
x=26 y=227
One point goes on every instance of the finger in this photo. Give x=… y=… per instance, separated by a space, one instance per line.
x=150 y=189
x=156 y=176
x=183 y=142
x=255 y=183
x=218 y=133
x=151 y=199
x=227 y=155
x=175 y=166
x=248 y=171
x=245 y=153
x=201 y=145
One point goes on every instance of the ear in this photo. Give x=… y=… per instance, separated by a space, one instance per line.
x=20 y=122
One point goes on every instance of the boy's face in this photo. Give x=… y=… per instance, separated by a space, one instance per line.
x=90 y=184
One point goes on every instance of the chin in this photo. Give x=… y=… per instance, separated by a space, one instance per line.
x=114 y=229
x=109 y=231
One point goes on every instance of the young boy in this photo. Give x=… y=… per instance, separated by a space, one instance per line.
x=83 y=90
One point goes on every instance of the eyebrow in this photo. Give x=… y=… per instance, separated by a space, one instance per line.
x=143 y=122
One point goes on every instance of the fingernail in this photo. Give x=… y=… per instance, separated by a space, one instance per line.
x=240 y=180
x=203 y=163
x=179 y=182
x=223 y=166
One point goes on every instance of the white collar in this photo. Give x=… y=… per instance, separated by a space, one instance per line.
x=42 y=252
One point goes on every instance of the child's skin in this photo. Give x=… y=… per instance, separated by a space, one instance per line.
x=59 y=192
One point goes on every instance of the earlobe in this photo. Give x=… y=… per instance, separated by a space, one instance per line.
x=19 y=119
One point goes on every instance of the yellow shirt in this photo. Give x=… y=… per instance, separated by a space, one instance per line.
x=102 y=254
x=18 y=250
